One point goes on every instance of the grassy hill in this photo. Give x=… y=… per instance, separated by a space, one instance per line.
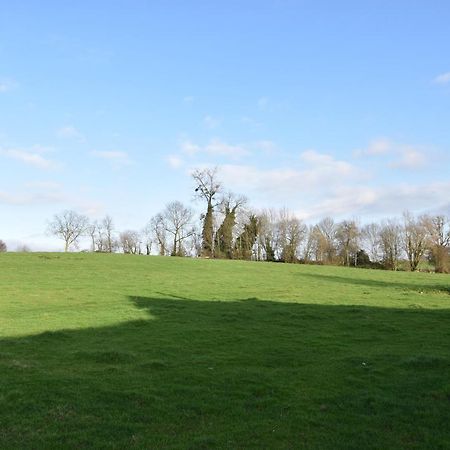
x=117 y=351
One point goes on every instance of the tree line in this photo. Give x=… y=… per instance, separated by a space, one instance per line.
x=229 y=229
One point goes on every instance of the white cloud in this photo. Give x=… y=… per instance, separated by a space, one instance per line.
x=409 y=158
x=211 y=122
x=174 y=161
x=215 y=147
x=31 y=198
x=70 y=132
x=252 y=123
x=397 y=155
x=378 y=201
x=116 y=158
x=443 y=78
x=189 y=148
x=50 y=185
x=324 y=163
x=31 y=158
x=188 y=99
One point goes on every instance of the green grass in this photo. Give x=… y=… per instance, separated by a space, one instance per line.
x=116 y=351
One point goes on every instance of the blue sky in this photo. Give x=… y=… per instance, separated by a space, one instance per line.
x=327 y=108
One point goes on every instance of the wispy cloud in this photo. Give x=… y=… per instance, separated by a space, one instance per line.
x=215 y=147
x=443 y=78
x=188 y=99
x=395 y=155
x=117 y=159
x=6 y=84
x=211 y=122
x=175 y=162
x=250 y=122
x=409 y=158
x=31 y=158
x=70 y=132
x=39 y=196
x=262 y=103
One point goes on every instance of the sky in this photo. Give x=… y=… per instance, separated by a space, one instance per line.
x=327 y=108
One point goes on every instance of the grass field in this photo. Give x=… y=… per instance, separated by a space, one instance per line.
x=117 y=351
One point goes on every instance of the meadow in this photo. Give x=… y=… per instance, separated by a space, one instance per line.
x=121 y=351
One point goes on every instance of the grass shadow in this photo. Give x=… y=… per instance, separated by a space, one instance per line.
x=243 y=374
x=382 y=283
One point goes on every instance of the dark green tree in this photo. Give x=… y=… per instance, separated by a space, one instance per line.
x=224 y=236
x=243 y=248
x=207 y=187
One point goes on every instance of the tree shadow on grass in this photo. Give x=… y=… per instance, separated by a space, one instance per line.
x=243 y=374
x=384 y=283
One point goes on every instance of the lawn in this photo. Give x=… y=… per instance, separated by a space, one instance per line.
x=121 y=351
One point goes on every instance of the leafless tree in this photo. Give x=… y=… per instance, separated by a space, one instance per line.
x=107 y=227
x=130 y=241
x=267 y=237
x=415 y=239
x=390 y=243
x=91 y=230
x=3 y=247
x=69 y=226
x=178 y=223
x=370 y=237
x=347 y=236
x=438 y=228
x=291 y=233
x=23 y=248
x=325 y=240
x=157 y=229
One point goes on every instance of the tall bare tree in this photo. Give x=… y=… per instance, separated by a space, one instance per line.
x=325 y=240
x=347 y=235
x=370 y=237
x=291 y=233
x=438 y=228
x=178 y=223
x=157 y=226
x=415 y=239
x=207 y=187
x=390 y=243
x=69 y=226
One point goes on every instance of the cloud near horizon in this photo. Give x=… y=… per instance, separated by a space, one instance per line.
x=31 y=158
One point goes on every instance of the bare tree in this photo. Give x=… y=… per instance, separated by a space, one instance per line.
x=91 y=230
x=438 y=228
x=3 y=247
x=69 y=226
x=178 y=223
x=347 y=235
x=157 y=229
x=291 y=232
x=207 y=187
x=415 y=239
x=130 y=241
x=370 y=236
x=325 y=240
x=390 y=244
x=23 y=248
x=267 y=236
x=107 y=227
